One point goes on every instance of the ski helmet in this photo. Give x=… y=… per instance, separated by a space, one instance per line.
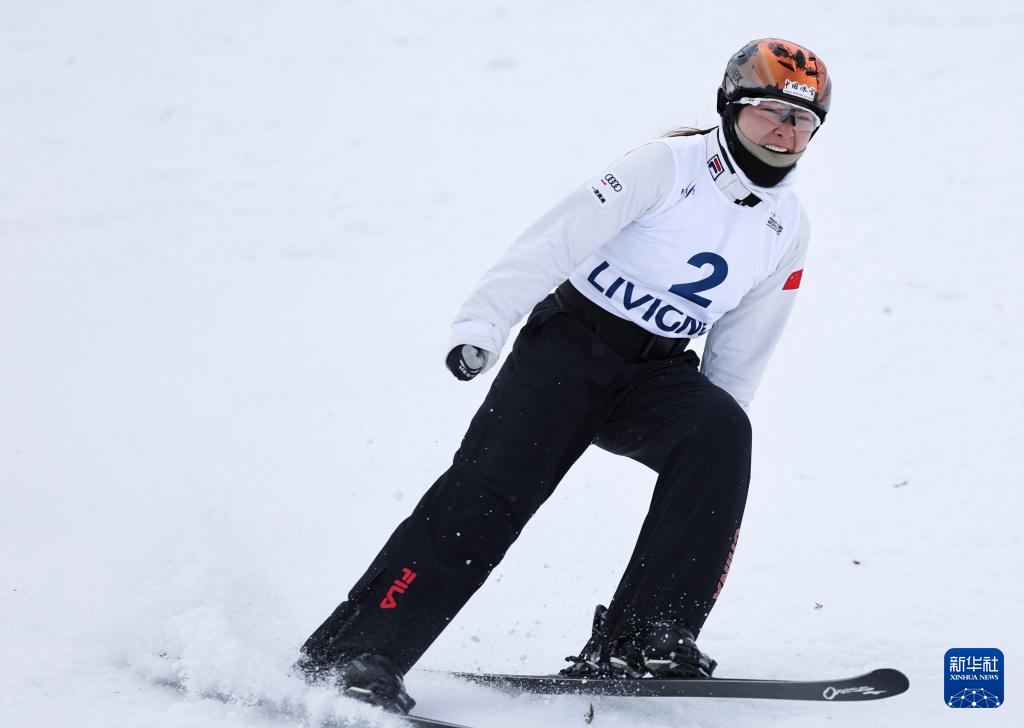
x=777 y=68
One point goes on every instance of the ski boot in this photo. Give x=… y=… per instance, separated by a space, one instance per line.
x=667 y=650
x=662 y=649
x=593 y=661
x=370 y=678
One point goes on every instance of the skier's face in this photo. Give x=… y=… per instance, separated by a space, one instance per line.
x=770 y=132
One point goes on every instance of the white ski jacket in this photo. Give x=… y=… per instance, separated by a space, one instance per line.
x=673 y=237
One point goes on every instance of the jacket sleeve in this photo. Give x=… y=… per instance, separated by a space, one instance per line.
x=551 y=248
x=741 y=342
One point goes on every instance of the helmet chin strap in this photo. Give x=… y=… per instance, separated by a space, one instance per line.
x=772 y=159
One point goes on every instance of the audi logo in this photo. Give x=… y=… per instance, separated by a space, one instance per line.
x=613 y=183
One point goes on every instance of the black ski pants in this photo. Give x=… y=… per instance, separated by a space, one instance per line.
x=559 y=391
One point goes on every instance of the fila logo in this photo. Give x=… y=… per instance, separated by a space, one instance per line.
x=398 y=587
x=715 y=167
x=793 y=282
x=775 y=225
x=728 y=565
x=687 y=191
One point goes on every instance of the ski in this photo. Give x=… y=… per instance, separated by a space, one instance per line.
x=283 y=709
x=873 y=685
x=419 y=720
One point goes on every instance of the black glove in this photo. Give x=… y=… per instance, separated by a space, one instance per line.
x=466 y=361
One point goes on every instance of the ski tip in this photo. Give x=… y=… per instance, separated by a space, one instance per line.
x=896 y=680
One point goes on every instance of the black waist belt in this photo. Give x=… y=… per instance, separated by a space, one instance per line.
x=625 y=337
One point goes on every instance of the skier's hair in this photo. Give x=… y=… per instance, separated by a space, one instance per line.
x=687 y=131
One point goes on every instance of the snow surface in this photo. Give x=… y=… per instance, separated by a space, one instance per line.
x=233 y=234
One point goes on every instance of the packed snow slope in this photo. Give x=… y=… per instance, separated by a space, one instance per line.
x=233 y=235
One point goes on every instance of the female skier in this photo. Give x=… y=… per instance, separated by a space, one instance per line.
x=699 y=232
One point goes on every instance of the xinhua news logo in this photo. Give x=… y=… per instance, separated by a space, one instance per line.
x=974 y=678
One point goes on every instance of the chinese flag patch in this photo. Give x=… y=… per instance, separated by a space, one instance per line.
x=793 y=282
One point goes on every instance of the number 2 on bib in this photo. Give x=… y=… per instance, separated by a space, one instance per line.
x=690 y=291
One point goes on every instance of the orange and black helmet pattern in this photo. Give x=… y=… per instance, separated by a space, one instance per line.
x=778 y=68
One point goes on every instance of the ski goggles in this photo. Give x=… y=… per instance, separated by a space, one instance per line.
x=779 y=112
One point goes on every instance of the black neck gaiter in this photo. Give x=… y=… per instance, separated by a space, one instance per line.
x=761 y=174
